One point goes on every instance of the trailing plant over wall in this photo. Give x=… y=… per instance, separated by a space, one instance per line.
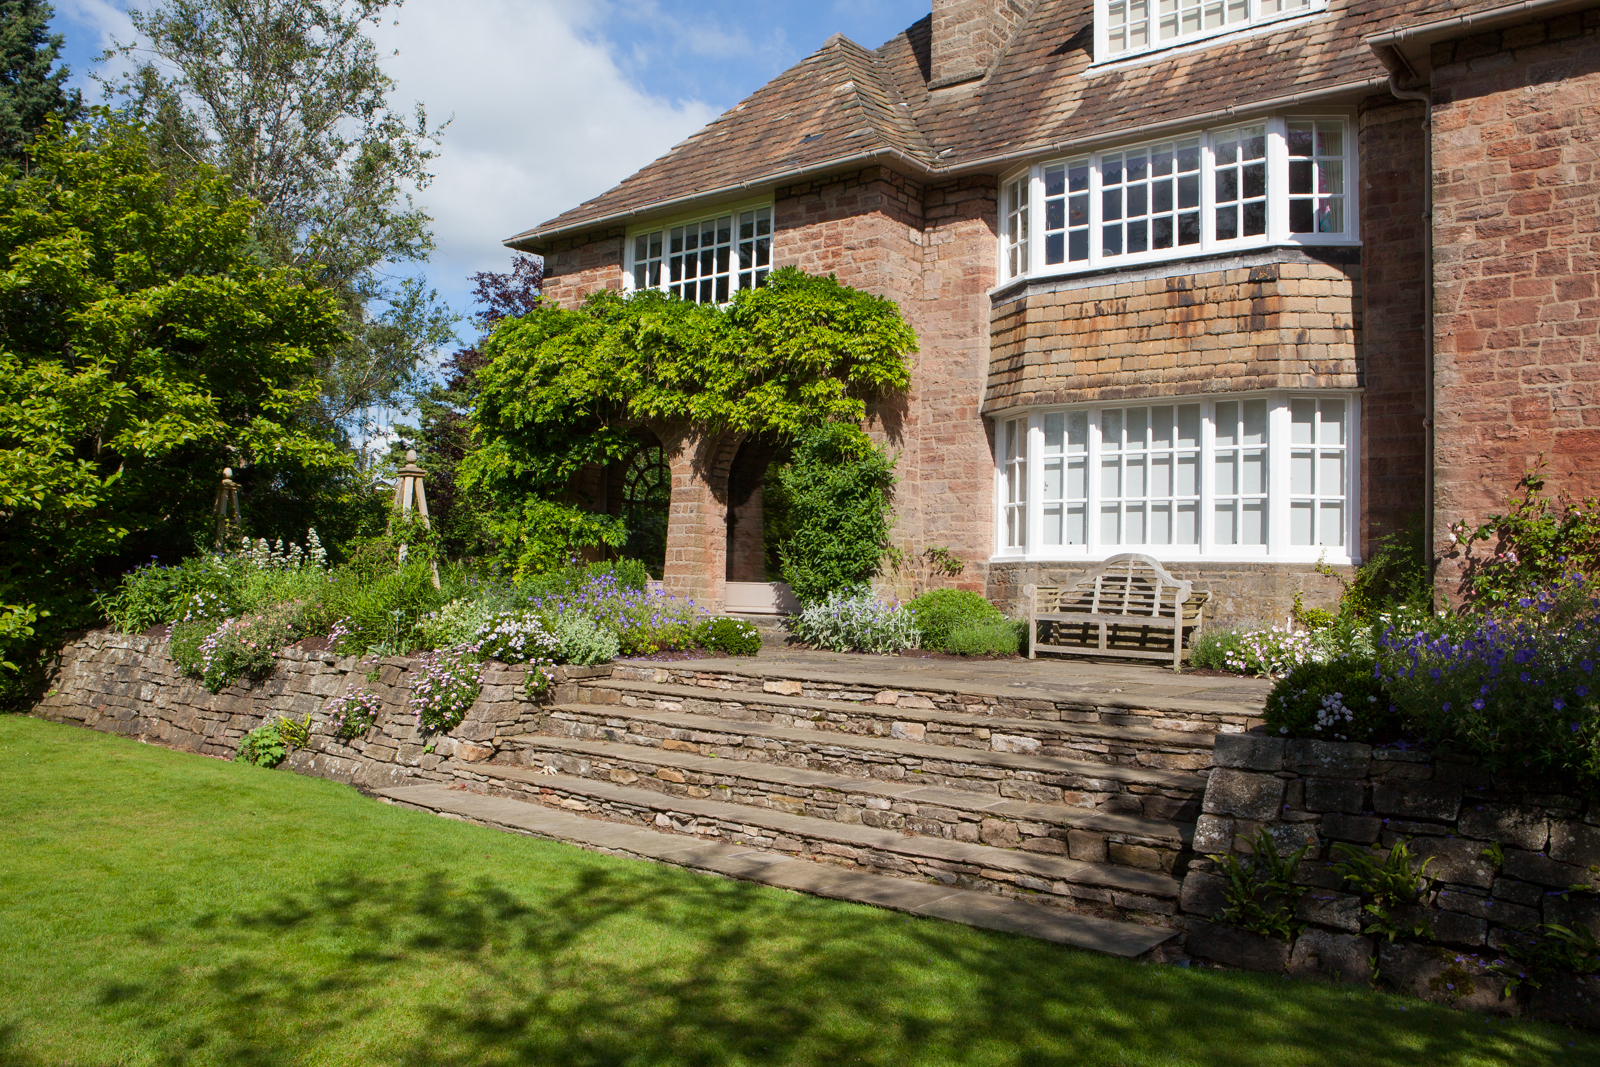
x=563 y=388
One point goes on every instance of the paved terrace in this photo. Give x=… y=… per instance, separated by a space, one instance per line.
x=1042 y=678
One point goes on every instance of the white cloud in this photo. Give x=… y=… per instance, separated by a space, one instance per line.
x=543 y=118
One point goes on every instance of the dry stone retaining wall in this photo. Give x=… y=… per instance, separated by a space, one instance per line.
x=1502 y=863
x=128 y=685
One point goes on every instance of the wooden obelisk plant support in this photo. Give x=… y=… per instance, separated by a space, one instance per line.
x=227 y=507
x=409 y=493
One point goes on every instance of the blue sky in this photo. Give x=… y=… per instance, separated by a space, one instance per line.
x=554 y=102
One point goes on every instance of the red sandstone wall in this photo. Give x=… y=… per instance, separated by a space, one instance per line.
x=576 y=267
x=1394 y=267
x=1517 y=239
x=932 y=252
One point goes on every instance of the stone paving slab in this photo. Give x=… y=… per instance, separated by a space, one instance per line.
x=973 y=909
x=1120 y=684
x=805 y=778
x=834 y=742
x=892 y=712
x=1035 y=864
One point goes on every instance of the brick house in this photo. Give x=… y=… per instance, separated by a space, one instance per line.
x=1167 y=264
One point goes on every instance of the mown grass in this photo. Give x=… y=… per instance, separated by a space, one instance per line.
x=158 y=907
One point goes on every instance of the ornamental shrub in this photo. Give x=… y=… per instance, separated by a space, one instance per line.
x=1341 y=700
x=644 y=621
x=856 y=622
x=1519 y=693
x=204 y=586
x=735 y=637
x=512 y=638
x=941 y=612
x=582 y=641
x=1003 y=638
x=837 y=483
x=220 y=654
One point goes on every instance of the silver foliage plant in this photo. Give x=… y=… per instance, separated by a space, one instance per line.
x=856 y=621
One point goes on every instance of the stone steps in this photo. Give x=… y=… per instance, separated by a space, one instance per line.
x=1109 y=891
x=916 y=719
x=1153 y=793
x=908 y=807
x=862 y=684
x=980 y=909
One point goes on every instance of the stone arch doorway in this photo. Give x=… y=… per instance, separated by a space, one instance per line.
x=755 y=519
x=646 y=501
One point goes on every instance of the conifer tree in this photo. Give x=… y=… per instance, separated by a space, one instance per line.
x=30 y=92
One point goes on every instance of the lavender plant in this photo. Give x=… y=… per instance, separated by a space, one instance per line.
x=642 y=620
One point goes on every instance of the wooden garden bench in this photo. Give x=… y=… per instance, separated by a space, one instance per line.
x=1128 y=607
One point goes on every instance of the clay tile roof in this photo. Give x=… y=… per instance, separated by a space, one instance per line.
x=845 y=104
x=834 y=104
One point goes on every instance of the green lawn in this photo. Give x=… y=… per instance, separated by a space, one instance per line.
x=163 y=908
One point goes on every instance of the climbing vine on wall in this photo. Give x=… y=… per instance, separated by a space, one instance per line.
x=563 y=388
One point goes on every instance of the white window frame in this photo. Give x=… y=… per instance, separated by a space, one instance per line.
x=1237 y=18
x=739 y=274
x=1278 y=165
x=1280 y=498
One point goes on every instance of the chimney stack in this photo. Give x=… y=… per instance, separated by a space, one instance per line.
x=969 y=35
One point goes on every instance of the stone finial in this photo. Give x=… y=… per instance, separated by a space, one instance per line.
x=411 y=455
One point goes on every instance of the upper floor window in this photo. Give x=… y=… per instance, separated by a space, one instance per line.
x=705 y=260
x=1134 y=26
x=1275 y=181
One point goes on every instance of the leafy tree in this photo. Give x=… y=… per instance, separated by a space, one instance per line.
x=30 y=92
x=443 y=434
x=143 y=346
x=288 y=100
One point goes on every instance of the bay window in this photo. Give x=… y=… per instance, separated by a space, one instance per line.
x=1273 y=181
x=1251 y=477
x=704 y=261
x=1134 y=26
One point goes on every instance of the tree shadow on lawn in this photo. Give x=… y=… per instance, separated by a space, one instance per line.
x=648 y=966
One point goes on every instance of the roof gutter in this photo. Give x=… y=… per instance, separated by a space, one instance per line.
x=531 y=239
x=1407 y=51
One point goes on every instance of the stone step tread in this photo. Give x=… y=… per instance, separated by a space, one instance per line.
x=832 y=739
x=1227 y=700
x=893 y=712
x=982 y=910
x=1034 y=864
x=912 y=792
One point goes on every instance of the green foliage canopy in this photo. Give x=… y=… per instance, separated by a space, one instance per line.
x=142 y=348
x=563 y=388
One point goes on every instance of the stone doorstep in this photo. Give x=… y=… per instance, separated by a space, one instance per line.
x=889 y=713
x=939 y=852
x=1137 y=829
x=843 y=745
x=755 y=679
x=984 y=910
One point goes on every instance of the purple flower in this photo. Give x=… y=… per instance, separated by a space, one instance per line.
x=1574 y=727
